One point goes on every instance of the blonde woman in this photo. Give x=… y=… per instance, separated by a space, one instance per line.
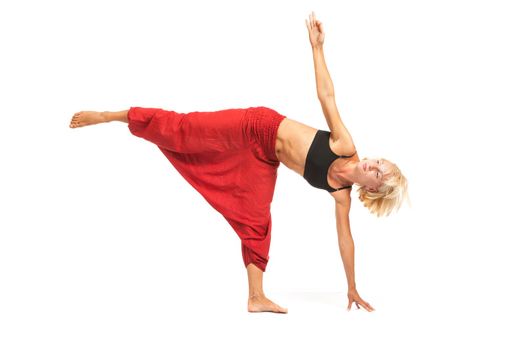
x=231 y=158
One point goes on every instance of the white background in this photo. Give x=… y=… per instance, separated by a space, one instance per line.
x=103 y=245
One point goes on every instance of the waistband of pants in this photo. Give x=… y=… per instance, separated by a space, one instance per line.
x=263 y=123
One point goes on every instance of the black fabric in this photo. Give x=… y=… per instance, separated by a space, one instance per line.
x=318 y=160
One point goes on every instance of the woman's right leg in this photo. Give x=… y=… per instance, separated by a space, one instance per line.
x=257 y=301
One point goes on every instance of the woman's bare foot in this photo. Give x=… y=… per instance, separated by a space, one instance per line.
x=260 y=303
x=85 y=118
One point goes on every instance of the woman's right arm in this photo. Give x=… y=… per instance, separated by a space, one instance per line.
x=346 y=249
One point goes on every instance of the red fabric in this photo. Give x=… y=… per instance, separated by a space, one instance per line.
x=228 y=156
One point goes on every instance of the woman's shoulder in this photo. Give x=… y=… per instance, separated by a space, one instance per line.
x=344 y=148
x=343 y=145
x=342 y=197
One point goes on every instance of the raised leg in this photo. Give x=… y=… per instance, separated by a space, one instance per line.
x=121 y=116
x=86 y=118
x=257 y=301
x=194 y=132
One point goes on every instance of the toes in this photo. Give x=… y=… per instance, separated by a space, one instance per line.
x=277 y=308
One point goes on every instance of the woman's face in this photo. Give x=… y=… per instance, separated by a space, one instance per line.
x=372 y=172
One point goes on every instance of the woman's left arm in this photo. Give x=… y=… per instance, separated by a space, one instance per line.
x=346 y=248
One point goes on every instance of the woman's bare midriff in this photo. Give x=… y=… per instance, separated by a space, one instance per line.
x=293 y=142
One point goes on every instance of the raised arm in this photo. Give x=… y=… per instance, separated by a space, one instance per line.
x=325 y=87
x=346 y=248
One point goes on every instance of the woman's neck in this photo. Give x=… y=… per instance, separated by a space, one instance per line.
x=346 y=172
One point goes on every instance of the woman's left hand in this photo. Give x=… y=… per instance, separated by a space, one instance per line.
x=353 y=297
x=315 y=31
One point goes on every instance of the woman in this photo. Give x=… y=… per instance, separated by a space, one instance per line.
x=231 y=158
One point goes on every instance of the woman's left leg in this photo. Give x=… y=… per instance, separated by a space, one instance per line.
x=86 y=118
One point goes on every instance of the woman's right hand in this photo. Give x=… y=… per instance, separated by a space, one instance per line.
x=353 y=297
x=315 y=30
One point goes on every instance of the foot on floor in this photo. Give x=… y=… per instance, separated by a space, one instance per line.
x=262 y=304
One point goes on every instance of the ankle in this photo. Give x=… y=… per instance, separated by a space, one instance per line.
x=106 y=116
x=256 y=295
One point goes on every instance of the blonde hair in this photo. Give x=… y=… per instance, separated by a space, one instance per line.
x=389 y=196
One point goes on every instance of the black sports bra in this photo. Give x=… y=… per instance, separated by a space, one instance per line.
x=319 y=159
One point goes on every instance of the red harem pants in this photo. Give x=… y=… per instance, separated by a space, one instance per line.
x=228 y=156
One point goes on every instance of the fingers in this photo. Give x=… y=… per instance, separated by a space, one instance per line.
x=315 y=21
x=358 y=303
x=367 y=306
x=312 y=21
x=350 y=304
